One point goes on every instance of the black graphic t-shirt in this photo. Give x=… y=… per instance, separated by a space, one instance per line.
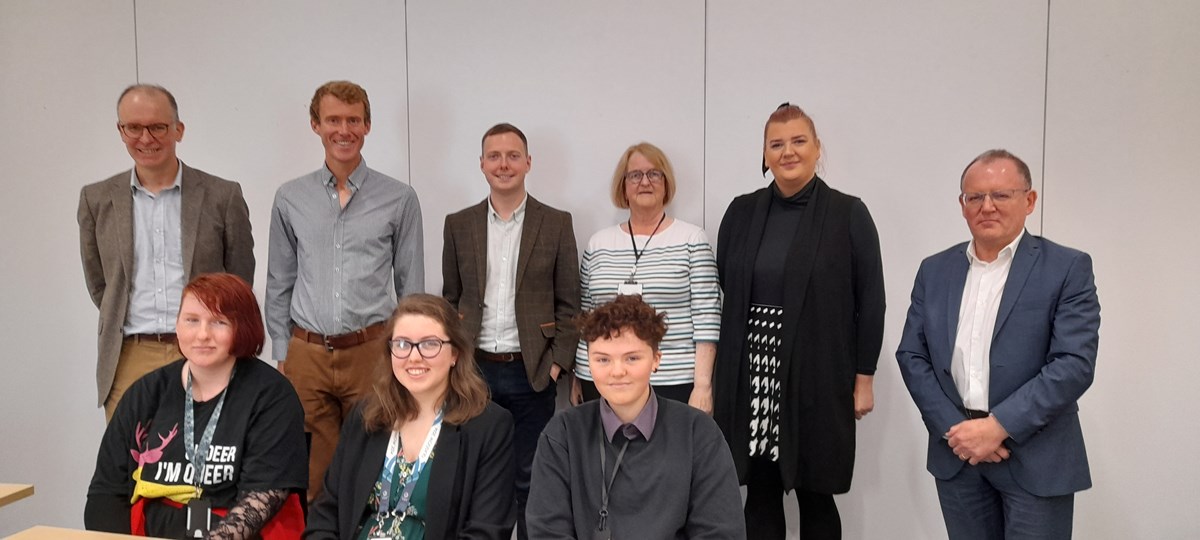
x=258 y=445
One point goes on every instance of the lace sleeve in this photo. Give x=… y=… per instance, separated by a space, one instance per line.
x=252 y=510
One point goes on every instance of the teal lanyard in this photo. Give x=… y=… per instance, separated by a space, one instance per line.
x=196 y=454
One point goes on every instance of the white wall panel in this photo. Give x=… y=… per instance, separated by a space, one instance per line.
x=1121 y=139
x=244 y=75
x=583 y=80
x=63 y=66
x=903 y=96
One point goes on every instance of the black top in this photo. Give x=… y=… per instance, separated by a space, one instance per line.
x=258 y=445
x=784 y=223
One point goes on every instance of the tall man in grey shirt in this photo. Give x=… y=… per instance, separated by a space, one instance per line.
x=145 y=232
x=338 y=236
x=510 y=267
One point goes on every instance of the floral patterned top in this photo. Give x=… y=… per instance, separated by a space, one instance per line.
x=411 y=525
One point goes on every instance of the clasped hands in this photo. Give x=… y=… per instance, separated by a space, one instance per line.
x=978 y=441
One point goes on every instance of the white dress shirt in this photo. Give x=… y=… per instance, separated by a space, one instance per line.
x=498 y=330
x=971 y=363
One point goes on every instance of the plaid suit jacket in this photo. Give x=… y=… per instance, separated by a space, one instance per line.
x=547 y=287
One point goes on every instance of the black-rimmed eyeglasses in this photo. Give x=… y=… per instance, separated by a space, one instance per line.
x=427 y=348
x=635 y=177
x=134 y=131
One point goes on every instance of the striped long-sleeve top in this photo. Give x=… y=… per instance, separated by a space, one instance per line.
x=678 y=275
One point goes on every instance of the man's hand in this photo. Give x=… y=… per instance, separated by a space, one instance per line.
x=576 y=391
x=977 y=441
x=279 y=366
x=864 y=395
x=555 y=371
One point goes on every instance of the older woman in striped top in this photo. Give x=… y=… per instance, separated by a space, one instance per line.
x=670 y=263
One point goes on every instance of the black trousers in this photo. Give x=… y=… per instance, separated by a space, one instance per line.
x=819 y=518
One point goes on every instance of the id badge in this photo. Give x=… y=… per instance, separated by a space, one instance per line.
x=199 y=518
x=629 y=288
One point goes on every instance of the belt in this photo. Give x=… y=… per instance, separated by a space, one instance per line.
x=341 y=341
x=165 y=337
x=498 y=357
x=973 y=414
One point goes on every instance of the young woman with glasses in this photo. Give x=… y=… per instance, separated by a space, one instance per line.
x=426 y=455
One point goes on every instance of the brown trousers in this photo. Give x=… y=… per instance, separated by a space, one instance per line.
x=137 y=359
x=329 y=383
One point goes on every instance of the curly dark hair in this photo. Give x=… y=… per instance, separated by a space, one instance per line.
x=624 y=312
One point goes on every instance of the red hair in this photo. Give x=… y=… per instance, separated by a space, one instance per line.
x=230 y=296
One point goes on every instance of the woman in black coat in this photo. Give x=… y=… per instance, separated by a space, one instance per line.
x=427 y=455
x=801 y=330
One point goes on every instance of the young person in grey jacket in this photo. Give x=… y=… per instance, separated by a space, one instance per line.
x=631 y=464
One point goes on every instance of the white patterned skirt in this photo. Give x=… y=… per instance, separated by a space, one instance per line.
x=764 y=337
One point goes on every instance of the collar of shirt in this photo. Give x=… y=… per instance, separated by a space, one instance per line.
x=518 y=215
x=1007 y=253
x=137 y=185
x=357 y=177
x=642 y=425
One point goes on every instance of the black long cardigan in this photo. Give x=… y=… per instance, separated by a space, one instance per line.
x=833 y=329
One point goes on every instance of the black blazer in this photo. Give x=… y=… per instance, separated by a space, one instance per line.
x=470 y=483
x=833 y=309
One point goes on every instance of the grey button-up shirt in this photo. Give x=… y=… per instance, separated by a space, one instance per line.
x=328 y=267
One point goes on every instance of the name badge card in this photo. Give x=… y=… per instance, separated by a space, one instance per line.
x=629 y=288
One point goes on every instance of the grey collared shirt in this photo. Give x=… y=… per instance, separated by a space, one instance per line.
x=642 y=425
x=328 y=267
x=157 y=280
x=498 y=328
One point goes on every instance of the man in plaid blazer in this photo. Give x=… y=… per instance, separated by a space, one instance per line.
x=510 y=267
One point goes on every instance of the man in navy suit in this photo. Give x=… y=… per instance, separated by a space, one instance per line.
x=999 y=345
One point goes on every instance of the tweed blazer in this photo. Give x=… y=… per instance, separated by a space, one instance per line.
x=216 y=237
x=547 y=288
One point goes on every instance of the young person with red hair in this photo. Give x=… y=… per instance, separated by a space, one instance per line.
x=211 y=443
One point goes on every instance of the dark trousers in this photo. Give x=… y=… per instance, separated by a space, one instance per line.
x=985 y=502
x=677 y=392
x=819 y=518
x=531 y=411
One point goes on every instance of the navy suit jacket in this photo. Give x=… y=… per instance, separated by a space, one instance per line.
x=1043 y=358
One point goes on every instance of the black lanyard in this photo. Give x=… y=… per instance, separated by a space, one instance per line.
x=637 y=255
x=606 y=487
x=196 y=454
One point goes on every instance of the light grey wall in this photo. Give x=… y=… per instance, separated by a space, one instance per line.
x=1099 y=97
